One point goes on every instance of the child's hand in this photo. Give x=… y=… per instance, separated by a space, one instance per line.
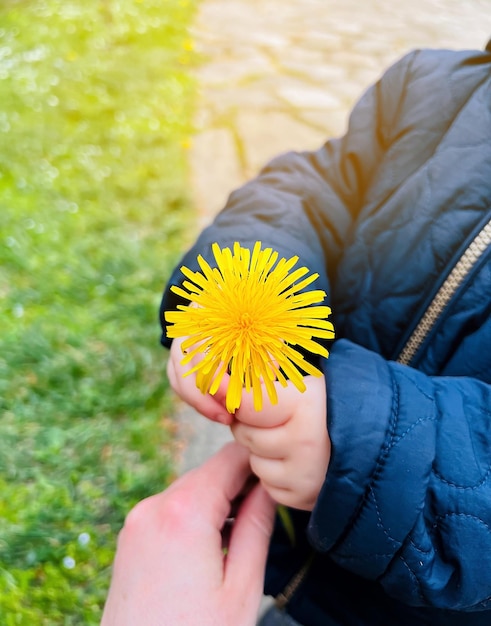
x=212 y=407
x=288 y=442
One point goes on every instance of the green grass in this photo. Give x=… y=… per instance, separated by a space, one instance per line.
x=96 y=102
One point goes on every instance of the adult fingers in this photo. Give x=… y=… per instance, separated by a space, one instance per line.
x=247 y=551
x=211 y=488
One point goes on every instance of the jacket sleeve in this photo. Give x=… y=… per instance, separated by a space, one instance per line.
x=407 y=498
x=305 y=203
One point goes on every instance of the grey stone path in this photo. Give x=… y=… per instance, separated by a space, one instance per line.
x=283 y=74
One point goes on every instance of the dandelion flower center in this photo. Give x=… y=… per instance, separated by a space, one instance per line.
x=251 y=315
x=245 y=322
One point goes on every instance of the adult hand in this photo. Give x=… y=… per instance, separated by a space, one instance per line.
x=170 y=567
x=288 y=442
x=212 y=407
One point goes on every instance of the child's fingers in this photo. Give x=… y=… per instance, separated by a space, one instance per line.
x=185 y=387
x=270 y=414
x=270 y=443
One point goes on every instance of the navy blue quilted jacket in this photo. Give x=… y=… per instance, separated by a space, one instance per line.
x=396 y=218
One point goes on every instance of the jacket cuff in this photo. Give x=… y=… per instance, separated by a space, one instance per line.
x=381 y=421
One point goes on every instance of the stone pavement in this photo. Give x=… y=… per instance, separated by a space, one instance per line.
x=283 y=75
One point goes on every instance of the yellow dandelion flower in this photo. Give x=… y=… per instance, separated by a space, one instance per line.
x=250 y=313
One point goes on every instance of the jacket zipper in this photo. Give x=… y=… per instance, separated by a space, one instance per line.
x=445 y=293
x=454 y=280
x=282 y=599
